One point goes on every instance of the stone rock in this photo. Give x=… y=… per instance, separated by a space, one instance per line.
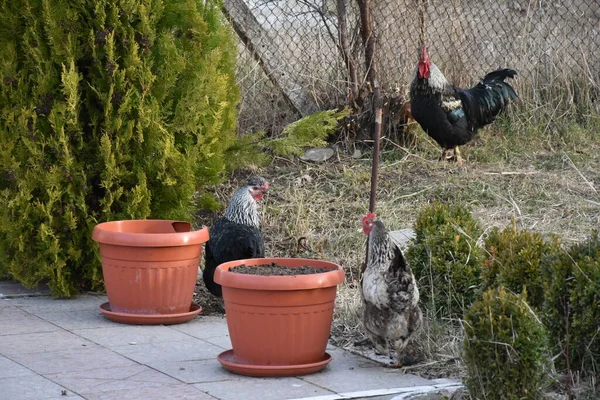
x=318 y=155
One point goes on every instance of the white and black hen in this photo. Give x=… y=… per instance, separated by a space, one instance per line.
x=236 y=235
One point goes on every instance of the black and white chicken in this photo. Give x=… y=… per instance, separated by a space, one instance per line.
x=451 y=115
x=390 y=295
x=236 y=235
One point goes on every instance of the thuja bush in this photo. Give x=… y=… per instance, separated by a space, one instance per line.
x=513 y=260
x=110 y=109
x=505 y=348
x=445 y=258
x=572 y=306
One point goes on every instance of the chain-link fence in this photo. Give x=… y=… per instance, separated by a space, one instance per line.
x=291 y=59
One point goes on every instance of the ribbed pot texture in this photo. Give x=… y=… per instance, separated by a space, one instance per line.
x=149 y=266
x=279 y=320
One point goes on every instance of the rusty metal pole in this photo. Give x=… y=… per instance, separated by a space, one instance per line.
x=375 y=162
x=369 y=41
x=374 y=170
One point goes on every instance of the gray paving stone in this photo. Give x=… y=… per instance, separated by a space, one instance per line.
x=249 y=388
x=5 y=303
x=164 y=392
x=150 y=353
x=41 y=342
x=193 y=371
x=122 y=334
x=11 y=369
x=204 y=326
x=80 y=319
x=33 y=387
x=16 y=321
x=113 y=378
x=222 y=341
x=72 y=360
x=350 y=373
x=77 y=349
x=81 y=302
x=15 y=289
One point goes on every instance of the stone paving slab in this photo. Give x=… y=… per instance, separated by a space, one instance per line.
x=72 y=360
x=15 y=289
x=16 y=321
x=34 y=387
x=237 y=388
x=11 y=369
x=57 y=349
x=351 y=373
x=116 y=382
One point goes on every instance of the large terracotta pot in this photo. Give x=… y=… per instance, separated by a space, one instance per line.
x=278 y=325
x=150 y=268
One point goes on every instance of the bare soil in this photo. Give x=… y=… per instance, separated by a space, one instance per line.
x=276 y=270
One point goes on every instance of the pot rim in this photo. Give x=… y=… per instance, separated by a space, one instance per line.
x=226 y=278
x=121 y=233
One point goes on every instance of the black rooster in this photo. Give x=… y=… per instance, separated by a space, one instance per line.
x=451 y=115
x=236 y=235
x=390 y=294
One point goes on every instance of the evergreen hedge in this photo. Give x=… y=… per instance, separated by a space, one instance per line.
x=572 y=306
x=505 y=348
x=514 y=261
x=109 y=109
x=446 y=258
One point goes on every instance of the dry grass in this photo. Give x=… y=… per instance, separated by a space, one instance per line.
x=547 y=184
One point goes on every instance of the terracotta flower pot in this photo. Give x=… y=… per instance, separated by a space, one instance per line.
x=278 y=325
x=150 y=269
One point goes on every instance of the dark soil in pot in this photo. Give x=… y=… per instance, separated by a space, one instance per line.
x=279 y=270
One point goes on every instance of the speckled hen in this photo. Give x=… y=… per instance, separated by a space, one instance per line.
x=390 y=295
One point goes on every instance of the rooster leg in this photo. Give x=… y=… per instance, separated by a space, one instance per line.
x=445 y=156
x=399 y=346
x=457 y=156
x=380 y=344
x=363 y=342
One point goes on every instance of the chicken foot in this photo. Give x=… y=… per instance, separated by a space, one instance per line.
x=452 y=154
x=457 y=156
x=380 y=344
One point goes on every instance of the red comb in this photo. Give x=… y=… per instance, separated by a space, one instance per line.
x=368 y=216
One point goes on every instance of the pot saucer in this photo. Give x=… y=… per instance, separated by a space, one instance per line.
x=150 y=319
x=229 y=362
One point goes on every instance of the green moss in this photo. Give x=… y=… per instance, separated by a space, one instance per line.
x=445 y=258
x=505 y=348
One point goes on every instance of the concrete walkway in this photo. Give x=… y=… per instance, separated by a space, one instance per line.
x=66 y=349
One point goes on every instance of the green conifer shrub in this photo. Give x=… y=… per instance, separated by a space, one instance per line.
x=513 y=261
x=311 y=130
x=505 y=348
x=445 y=258
x=572 y=306
x=109 y=109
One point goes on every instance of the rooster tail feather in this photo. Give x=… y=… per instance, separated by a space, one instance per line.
x=490 y=96
x=500 y=75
